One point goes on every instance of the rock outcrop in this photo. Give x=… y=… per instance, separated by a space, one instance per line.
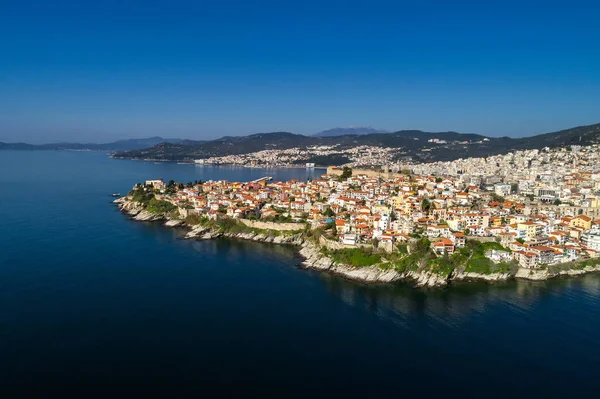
x=545 y=274
x=136 y=210
x=145 y=216
x=470 y=276
x=173 y=223
x=314 y=259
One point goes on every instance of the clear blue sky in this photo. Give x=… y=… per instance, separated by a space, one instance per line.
x=103 y=70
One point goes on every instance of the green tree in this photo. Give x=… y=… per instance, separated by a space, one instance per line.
x=346 y=173
x=496 y=197
x=421 y=246
x=557 y=202
x=425 y=205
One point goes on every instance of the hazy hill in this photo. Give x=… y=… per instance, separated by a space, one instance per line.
x=411 y=144
x=414 y=144
x=223 y=146
x=342 y=131
x=121 y=145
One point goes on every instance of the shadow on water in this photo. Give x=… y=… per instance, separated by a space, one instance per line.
x=401 y=299
x=458 y=300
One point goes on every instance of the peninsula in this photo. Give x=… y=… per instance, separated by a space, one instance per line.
x=503 y=217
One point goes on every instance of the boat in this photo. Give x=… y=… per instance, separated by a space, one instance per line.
x=115 y=195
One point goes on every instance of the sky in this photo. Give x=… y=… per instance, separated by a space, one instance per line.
x=97 y=71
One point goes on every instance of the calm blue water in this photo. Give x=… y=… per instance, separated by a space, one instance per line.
x=91 y=302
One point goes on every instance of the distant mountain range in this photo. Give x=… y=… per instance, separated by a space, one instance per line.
x=411 y=144
x=121 y=145
x=343 y=131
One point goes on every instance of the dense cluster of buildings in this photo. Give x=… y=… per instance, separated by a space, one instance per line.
x=359 y=156
x=542 y=205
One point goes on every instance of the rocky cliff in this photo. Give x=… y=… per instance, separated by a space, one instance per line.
x=136 y=210
x=545 y=274
x=315 y=259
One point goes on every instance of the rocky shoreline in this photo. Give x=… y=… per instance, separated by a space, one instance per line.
x=316 y=260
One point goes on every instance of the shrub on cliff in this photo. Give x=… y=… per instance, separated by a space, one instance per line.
x=193 y=219
x=479 y=263
x=141 y=195
x=159 y=206
x=577 y=265
x=357 y=257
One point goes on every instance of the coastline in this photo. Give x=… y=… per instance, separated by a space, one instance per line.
x=192 y=162
x=314 y=259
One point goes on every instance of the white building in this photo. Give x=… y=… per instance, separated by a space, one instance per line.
x=349 y=239
x=502 y=189
x=591 y=239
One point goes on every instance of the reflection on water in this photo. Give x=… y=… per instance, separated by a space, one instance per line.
x=402 y=303
x=235 y=249
x=450 y=305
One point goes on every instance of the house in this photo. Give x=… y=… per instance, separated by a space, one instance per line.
x=239 y=213
x=443 y=246
x=268 y=212
x=582 y=222
x=527 y=230
x=439 y=230
x=156 y=184
x=499 y=256
x=341 y=227
x=545 y=254
x=458 y=239
x=507 y=238
x=496 y=221
x=348 y=239
x=479 y=231
x=528 y=260
x=591 y=239
x=471 y=219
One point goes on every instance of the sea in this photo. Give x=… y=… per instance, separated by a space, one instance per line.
x=94 y=304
